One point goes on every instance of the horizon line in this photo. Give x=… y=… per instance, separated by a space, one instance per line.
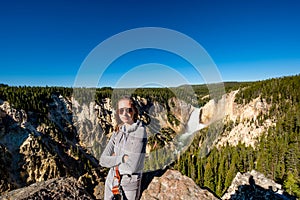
x=192 y=84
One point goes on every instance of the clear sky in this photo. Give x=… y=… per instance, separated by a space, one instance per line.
x=45 y=42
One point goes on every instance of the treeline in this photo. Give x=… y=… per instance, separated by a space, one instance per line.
x=161 y=95
x=276 y=154
x=192 y=94
x=34 y=99
x=274 y=90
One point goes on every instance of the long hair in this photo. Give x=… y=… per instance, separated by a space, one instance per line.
x=133 y=106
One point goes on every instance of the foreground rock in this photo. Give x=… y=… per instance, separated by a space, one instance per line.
x=173 y=185
x=58 y=188
x=170 y=185
x=254 y=185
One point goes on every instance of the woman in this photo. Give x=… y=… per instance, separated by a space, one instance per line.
x=125 y=151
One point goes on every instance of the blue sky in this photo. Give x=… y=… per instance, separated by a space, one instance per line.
x=45 y=42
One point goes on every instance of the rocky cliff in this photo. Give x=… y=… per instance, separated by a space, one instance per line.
x=57 y=157
x=243 y=122
x=32 y=152
x=72 y=138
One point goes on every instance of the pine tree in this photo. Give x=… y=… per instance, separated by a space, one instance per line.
x=209 y=177
x=291 y=184
x=230 y=176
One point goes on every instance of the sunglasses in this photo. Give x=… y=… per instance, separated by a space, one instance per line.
x=127 y=110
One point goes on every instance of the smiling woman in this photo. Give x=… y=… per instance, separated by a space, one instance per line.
x=125 y=153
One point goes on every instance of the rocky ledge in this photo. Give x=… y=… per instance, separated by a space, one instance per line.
x=254 y=185
x=173 y=185
x=58 y=188
x=162 y=185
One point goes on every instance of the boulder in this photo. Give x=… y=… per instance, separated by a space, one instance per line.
x=173 y=185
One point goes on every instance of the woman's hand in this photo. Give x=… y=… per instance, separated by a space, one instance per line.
x=125 y=158
x=113 y=154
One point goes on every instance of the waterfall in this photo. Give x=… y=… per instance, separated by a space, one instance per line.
x=192 y=127
x=161 y=158
x=193 y=123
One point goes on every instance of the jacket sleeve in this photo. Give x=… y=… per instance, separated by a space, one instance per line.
x=135 y=149
x=106 y=159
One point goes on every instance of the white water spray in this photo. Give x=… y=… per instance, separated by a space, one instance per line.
x=193 y=124
x=192 y=127
x=169 y=153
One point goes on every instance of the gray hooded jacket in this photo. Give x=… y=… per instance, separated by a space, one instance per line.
x=131 y=142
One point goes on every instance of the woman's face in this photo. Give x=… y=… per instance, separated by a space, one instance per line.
x=125 y=111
